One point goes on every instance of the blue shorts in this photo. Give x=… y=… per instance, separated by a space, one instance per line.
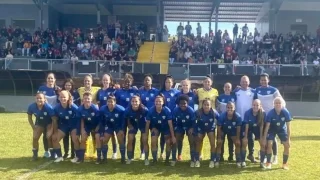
x=135 y=131
x=42 y=122
x=66 y=129
x=256 y=135
x=283 y=136
x=111 y=131
x=205 y=130
x=181 y=130
x=231 y=134
x=164 y=132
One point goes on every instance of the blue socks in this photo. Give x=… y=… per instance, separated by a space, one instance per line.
x=52 y=153
x=155 y=155
x=285 y=159
x=99 y=153
x=174 y=154
x=122 y=151
x=114 y=148
x=146 y=155
x=168 y=153
x=238 y=157
x=35 y=152
x=268 y=158
x=243 y=155
x=197 y=156
x=180 y=144
x=213 y=156
x=218 y=156
x=262 y=156
x=104 y=151
x=58 y=152
x=130 y=154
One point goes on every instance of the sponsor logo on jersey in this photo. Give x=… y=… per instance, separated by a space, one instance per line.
x=70 y=112
x=163 y=117
x=45 y=113
x=282 y=119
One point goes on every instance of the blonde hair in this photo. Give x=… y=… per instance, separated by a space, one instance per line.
x=70 y=98
x=280 y=98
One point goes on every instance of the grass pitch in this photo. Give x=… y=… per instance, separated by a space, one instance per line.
x=15 y=155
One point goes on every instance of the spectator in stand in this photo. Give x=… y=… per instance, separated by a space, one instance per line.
x=187 y=55
x=188 y=29
x=235 y=33
x=9 y=42
x=159 y=33
x=8 y=60
x=117 y=26
x=132 y=54
x=199 y=30
x=250 y=39
x=316 y=67
x=165 y=33
x=245 y=31
x=180 y=30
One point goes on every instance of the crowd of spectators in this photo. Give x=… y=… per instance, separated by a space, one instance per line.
x=116 y=42
x=245 y=47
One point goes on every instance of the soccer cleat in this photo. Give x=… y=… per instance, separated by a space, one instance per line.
x=59 y=159
x=275 y=159
x=285 y=167
x=142 y=156
x=268 y=166
x=34 y=158
x=179 y=158
x=265 y=160
x=262 y=165
x=173 y=163
x=146 y=162
x=192 y=164
x=243 y=164
x=74 y=160
x=46 y=154
x=129 y=161
x=65 y=156
x=98 y=161
x=154 y=162
x=114 y=156
x=197 y=165
x=238 y=165
x=216 y=164
x=211 y=164
x=251 y=158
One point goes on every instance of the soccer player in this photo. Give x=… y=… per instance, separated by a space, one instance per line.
x=278 y=124
x=89 y=124
x=44 y=115
x=222 y=101
x=255 y=118
x=135 y=115
x=50 y=90
x=193 y=99
x=206 y=125
x=87 y=87
x=207 y=92
x=147 y=92
x=102 y=94
x=68 y=85
x=184 y=123
x=159 y=119
x=230 y=123
x=170 y=101
x=267 y=94
x=67 y=121
x=245 y=96
x=112 y=121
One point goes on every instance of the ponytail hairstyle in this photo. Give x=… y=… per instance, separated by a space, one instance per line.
x=260 y=116
x=161 y=96
x=201 y=110
x=112 y=97
x=56 y=88
x=188 y=82
x=127 y=77
x=69 y=80
x=112 y=83
x=70 y=98
x=141 y=108
x=163 y=88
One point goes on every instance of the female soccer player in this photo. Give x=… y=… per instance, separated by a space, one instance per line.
x=147 y=92
x=102 y=95
x=207 y=92
x=184 y=123
x=255 y=118
x=222 y=101
x=169 y=94
x=68 y=85
x=44 y=115
x=50 y=90
x=230 y=123
x=112 y=122
x=267 y=94
x=87 y=87
x=135 y=115
x=90 y=118
x=159 y=119
x=206 y=125
x=67 y=122
x=278 y=123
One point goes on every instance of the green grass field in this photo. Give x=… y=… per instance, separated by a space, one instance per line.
x=15 y=155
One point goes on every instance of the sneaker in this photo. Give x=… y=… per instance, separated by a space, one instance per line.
x=65 y=156
x=275 y=159
x=142 y=156
x=114 y=156
x=216 y=164
x=46 y=154
x=173 y=163
x=78 y=161
x=251 y=158
x=179 y=158
x=211 y=164
x=268 y=166
x=146 y=162
x=129 y=161
x=262 y=165
x=59 y=159
x=197 y=165
x=230 y=158
x=243 y=164
x=192 y=164
x=285 y=167
x=34 y=158
x=98 y=161
x=74 y=160
x=238 y=165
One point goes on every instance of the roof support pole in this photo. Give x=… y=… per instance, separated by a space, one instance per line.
x=216 y=21
x=98 y=12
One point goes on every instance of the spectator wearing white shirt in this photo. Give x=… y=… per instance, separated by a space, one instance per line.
x=199 y=30
x=258 y=39
x=8 y=59
x=87 y=47
x=187 y=54
x=250 y=39
x=80 y=46
x=316 y=67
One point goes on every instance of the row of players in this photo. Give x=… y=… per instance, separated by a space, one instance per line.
x=126 y=110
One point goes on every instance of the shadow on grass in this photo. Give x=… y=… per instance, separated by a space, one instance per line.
x=114 y=167
x=305 y=138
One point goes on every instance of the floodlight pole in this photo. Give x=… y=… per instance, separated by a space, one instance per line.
x=39 y=4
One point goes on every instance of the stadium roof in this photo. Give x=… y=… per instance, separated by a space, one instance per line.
x=191 y=10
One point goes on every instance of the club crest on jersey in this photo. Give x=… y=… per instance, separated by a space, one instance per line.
x=92 y=114
x=151 y=94
x=70 y=112
x=190 y=98
x=45 y=113
x=259 y=92
x=127 y=99
x=116 y=115
x=163 y=117
x=187 y=116
x=282 y=119
x=44 y=92
x=168 y=99
x=131 y=94
x=234 y=123
x=67 y=117
x=210 y=119
x=171 y=94
x=268 y=92
x=147 y=98
x=105 y=98
x=222 y=100
x=232 y=100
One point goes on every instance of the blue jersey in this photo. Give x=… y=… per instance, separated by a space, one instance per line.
x=206 y=122
x=148 y=96
x=193 y=99
x=103 y=94
x=170 y=98
x=183 y=120
x=137 y=119
x=90 y=116
x=124 y=96
x=68 y=117
x=75 y=97
x=229 y=126
x=252 y=121
x=112 y=119
x=159 y=120
x=278 y=122
x=266 y=95
x=223 y=100
x=50 y=94
x=43 y=115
